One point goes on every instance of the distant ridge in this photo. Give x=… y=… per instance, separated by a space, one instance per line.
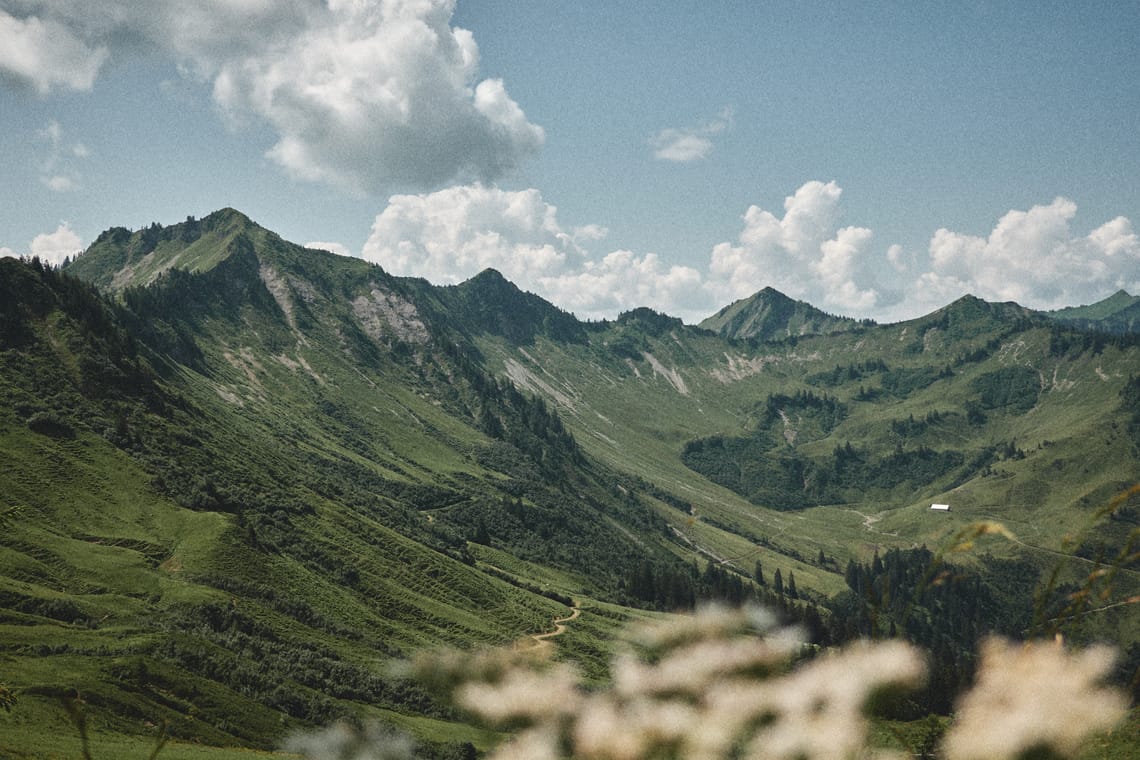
x=771 y=315
x=1118 y=314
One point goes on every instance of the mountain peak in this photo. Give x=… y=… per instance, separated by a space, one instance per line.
x=120 y=258
x=1119 y=313
x=771 y=315
x=490 y=303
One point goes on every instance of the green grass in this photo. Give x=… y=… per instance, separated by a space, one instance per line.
x=303 y=495
x=636 y=420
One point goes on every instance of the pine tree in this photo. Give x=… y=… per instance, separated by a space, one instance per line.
x=778 y=582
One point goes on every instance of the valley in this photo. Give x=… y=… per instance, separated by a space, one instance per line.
x=244 y=480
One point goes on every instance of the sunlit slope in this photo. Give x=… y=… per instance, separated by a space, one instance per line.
x=244 y=543
x=260 y=452
x=771 y=315
x=1030 y=418
x=170 y=560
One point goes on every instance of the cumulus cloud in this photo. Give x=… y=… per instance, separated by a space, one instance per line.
x=453 y=234
x=45 y=54
x=689 y=144
x=1032 y=256
x=368 y=95
x=801 y=254
x=54 y=247
x=51 y=247
x=624 y=280
x=338 y=248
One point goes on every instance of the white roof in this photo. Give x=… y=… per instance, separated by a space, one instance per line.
x=941 y=507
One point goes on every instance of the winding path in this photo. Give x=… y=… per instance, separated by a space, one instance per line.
x=544 y=639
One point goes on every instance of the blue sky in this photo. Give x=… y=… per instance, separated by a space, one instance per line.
x=875 y=159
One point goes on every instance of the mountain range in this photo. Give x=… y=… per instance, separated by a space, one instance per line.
x=242 y=478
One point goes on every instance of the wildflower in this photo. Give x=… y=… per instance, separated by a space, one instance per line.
x=1033 y=696
x=341 y=741
x=523 y=695
x=818 y=710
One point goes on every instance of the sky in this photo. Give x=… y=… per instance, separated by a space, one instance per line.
x=878 y=160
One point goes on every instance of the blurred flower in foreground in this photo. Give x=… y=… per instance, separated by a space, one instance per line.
x=734 y=684
x=717 y=684
x=1034 y=696
x=341 y=741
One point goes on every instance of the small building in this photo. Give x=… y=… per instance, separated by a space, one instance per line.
x=940 y=507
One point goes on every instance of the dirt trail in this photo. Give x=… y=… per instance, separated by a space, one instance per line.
x=544 y=639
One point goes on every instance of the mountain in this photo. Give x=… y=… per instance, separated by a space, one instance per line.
x=243 y=478
x=488 y=303
x=1117 y=314
x=771 y=315
x=120 y=258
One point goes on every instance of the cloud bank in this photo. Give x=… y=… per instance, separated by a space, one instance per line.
x=367 y=95
x=45 y=54
x=1033 y=257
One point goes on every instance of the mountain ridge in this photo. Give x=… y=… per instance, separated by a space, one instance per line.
x=139 y=257
x=371 y=463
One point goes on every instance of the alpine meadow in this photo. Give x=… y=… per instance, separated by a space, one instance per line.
x=252 y=490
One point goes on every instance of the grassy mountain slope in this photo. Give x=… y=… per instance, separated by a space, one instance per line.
x=171 y=560
x=1117 y=314
x=771 y=315
x=257 y=531
x=248 y=476
x=978 y=404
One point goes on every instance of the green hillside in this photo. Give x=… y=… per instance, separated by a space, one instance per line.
x=1118 y=314
x=243 y=479
x=771 y=315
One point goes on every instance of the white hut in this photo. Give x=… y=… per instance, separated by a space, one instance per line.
x=939 y=507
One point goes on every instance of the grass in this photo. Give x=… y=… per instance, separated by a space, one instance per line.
x=330 y=480
x=1076 y=412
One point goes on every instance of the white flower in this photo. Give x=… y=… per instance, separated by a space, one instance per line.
x=1033 y=695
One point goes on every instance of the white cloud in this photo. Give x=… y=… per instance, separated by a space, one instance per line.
x=624 y=280
x=678 y=147
x=453 y=234
x=1033 y=257
x=381 y=96
x=59 y=183
x=368 y=95
x=52 y=247
x=57 y=169
x=801 y=254
x=45 y=54
x=689 y=144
